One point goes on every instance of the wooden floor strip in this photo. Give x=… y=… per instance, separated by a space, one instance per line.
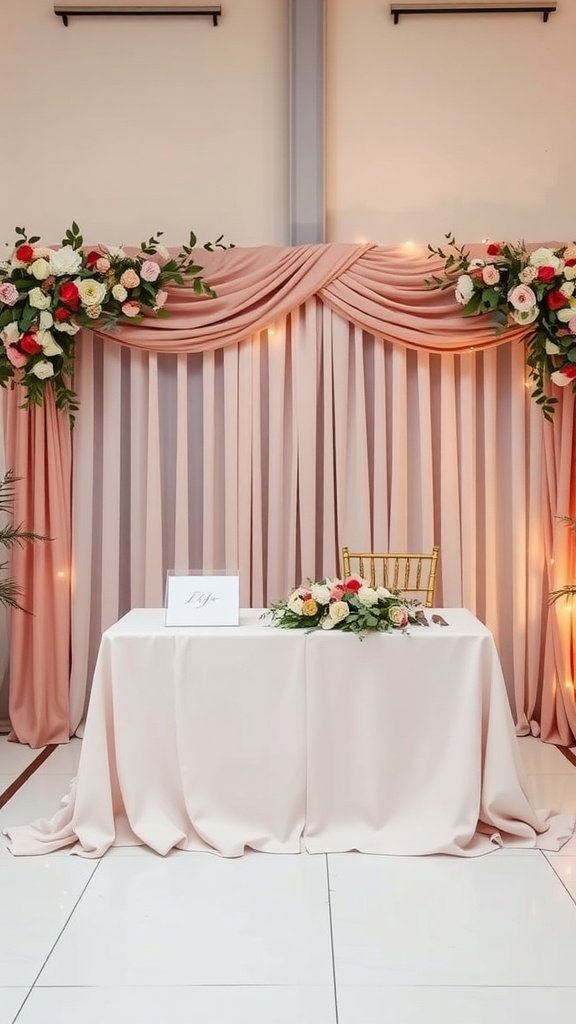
x=569 y=754
x=25 y=775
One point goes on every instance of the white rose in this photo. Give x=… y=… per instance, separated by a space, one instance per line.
x=382 y=593
x=38 y=299
x=545 y=258
x=551 y=348
x=43 y=369
x=398 y=615
x=528 y=274
x=367 y=596
x=295 y=604
x=560 y=379
x=570 y=273
x=46 y=319
x=66 y=328
x=327 y=623
x=464 y=289
x=525 y=316
x=476 y=264
x=338 y=611
x=49 y=343
x=65 y=261
x=40 y=269
x=565 y=315
x=114 y=250
x=320 y=593
x=119 y=293
x=92 y=293
x=567 y=288
x=11 y=333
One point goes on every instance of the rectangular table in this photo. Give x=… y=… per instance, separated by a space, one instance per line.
x=230 y=738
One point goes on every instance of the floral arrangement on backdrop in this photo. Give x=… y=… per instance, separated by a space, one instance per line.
x=350 y=605
x=516 y=286
x=47 y=294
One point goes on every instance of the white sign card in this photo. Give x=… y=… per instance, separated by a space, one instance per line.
x=202 y=600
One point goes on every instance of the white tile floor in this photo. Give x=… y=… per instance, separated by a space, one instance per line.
x=342 y=939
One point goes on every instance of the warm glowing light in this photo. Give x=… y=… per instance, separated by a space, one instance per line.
x=485 y=241
x=552 y=560
x=569 y=685
x=61 y=574
x=360 y=240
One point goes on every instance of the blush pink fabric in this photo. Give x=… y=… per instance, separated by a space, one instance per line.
x=558 y=713
x=39 y=450
x=378 y=290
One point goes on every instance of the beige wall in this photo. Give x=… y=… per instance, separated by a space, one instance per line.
x=129 y=125
x=134 y=124
x=452 y=122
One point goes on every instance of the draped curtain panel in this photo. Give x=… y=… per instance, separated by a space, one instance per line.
x=326 y=397
x=269 y=455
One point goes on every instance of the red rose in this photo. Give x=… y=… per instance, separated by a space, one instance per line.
x=69 y=294
x=62 y=313
x=555 y=300
x=571 y=263
x=24 y=253
x=570 y=371
x=493 y=249
x=546 y=273
x=92 y=258
x=353 y=585
x=29 y=344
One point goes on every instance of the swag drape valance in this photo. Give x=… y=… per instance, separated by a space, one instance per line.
x=382 y=291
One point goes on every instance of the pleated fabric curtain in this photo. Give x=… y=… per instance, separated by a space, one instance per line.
x=267 y=456
x=4 y=632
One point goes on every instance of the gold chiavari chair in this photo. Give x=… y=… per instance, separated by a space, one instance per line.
x=411 y=573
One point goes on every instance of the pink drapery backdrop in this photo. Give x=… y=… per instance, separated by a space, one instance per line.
x=299 y=455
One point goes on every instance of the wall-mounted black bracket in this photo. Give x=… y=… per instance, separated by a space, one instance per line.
x=66 y=11
x=538 y=7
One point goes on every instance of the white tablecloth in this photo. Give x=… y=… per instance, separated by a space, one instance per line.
x=226 y=738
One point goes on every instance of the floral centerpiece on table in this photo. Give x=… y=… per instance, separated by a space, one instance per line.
x=47 y=294
x=516 y=286
x=350 y=605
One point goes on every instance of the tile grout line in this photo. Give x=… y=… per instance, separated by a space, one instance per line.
x=25 y=775
x=55 y=943
x=332 y=940
x=561 y=880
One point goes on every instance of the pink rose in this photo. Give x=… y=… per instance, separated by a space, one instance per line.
x=490 y=274
x=521 y=297
x=337 y=593
x=18 y=359
x=102 y=265
x=8 y=294
x=130 y=308
x=572 y=325
x=130 y=279
x=160 y=299
x=149 y=271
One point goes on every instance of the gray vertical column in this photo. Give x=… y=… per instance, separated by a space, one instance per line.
x=307 y=117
